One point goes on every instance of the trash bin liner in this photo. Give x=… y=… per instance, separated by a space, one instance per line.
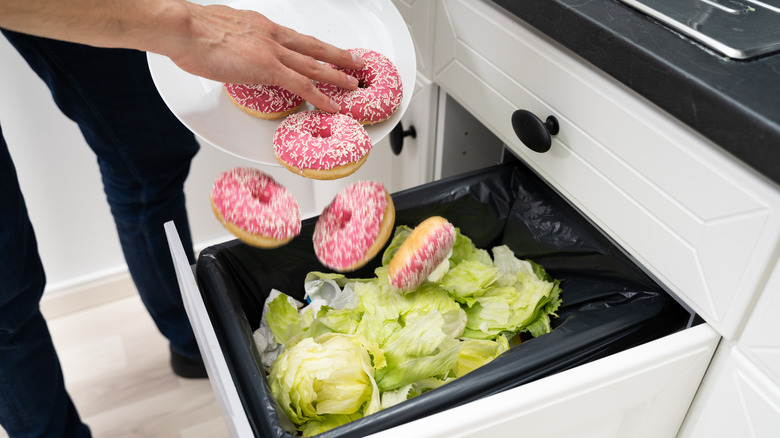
x=609 y=303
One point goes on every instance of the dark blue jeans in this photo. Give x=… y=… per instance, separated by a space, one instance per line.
x=144 y=156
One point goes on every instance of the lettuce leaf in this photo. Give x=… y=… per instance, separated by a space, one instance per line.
x=430 y=297
x=469 y=279
x=283 y=319
x=418 y=351
x=507 y=309
x=400 y=235
x=477 y=352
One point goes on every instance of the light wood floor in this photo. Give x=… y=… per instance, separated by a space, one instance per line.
x=116 y=369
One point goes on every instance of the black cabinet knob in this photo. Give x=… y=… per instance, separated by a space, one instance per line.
x=397 y=137
x=532 y=131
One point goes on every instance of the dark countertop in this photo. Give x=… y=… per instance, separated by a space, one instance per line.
x=736 y=104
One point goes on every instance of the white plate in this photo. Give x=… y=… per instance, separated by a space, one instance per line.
x=203 y=106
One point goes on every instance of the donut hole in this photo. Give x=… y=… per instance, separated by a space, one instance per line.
x=365 y=80
x=259 y=194
x=321 y=131
x=343 y=219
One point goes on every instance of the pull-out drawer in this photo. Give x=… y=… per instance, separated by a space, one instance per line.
x=621 y=360
x=705 y=225
x=640 y=392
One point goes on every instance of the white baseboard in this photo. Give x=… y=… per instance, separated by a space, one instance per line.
x=84 y=295
x=95 y=289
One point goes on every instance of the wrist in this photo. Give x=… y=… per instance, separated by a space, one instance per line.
x=160 y=27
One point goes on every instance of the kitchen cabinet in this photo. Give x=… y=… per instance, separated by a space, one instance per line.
x=701 y=222
x=737 y=399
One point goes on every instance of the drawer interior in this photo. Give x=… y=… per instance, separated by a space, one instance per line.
x=609 y=302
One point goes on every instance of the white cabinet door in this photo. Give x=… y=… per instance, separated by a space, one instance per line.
x=740 y=395
x=418 y=15
x=760 y=342
x=706 y=226
x=736 y=400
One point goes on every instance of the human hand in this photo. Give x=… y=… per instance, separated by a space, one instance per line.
x=239 y=46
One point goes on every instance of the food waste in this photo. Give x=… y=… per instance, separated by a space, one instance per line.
x=357 y=346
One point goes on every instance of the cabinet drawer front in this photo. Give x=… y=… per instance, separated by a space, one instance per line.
x=641 y=392
x=704 y=224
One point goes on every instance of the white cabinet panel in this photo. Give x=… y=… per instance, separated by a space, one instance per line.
x=705 y=225
x=415 y=164
x=736 y=400
x=219 y=373
x=760 y=342
x=418 y=15
x=641 y=392
x=464 y=144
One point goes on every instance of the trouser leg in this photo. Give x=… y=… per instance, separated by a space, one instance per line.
x=33 y=399
x=144 y=155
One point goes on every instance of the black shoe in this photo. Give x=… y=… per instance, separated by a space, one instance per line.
x=188 y=367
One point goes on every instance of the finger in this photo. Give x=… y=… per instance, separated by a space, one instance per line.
x=303 y=87
x=313 y=69
x=319 y=50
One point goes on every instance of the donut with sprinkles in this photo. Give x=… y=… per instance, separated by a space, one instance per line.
x=255 y=208
x=263 y=101
x=354 y=226
x=379 y=92
x=320 y=145
x=427 y=246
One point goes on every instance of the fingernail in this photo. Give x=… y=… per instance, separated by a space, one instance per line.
x=359 y=61
x=334 y=106
x=353 y=81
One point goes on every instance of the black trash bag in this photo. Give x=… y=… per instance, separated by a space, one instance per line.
x=609 y=303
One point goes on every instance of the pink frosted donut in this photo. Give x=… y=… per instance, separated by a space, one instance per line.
x=255 y=208
x=264 y=101
x=319 y=145
x=354 y=226
x=379 y=93
x=422 y=251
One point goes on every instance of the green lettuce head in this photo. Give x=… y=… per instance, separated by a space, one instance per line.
x=325 y=382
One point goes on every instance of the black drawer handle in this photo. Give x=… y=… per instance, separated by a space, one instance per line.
x=534 y=133
x=397 y=137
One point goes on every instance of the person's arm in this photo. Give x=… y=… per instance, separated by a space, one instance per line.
x=216 y=42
